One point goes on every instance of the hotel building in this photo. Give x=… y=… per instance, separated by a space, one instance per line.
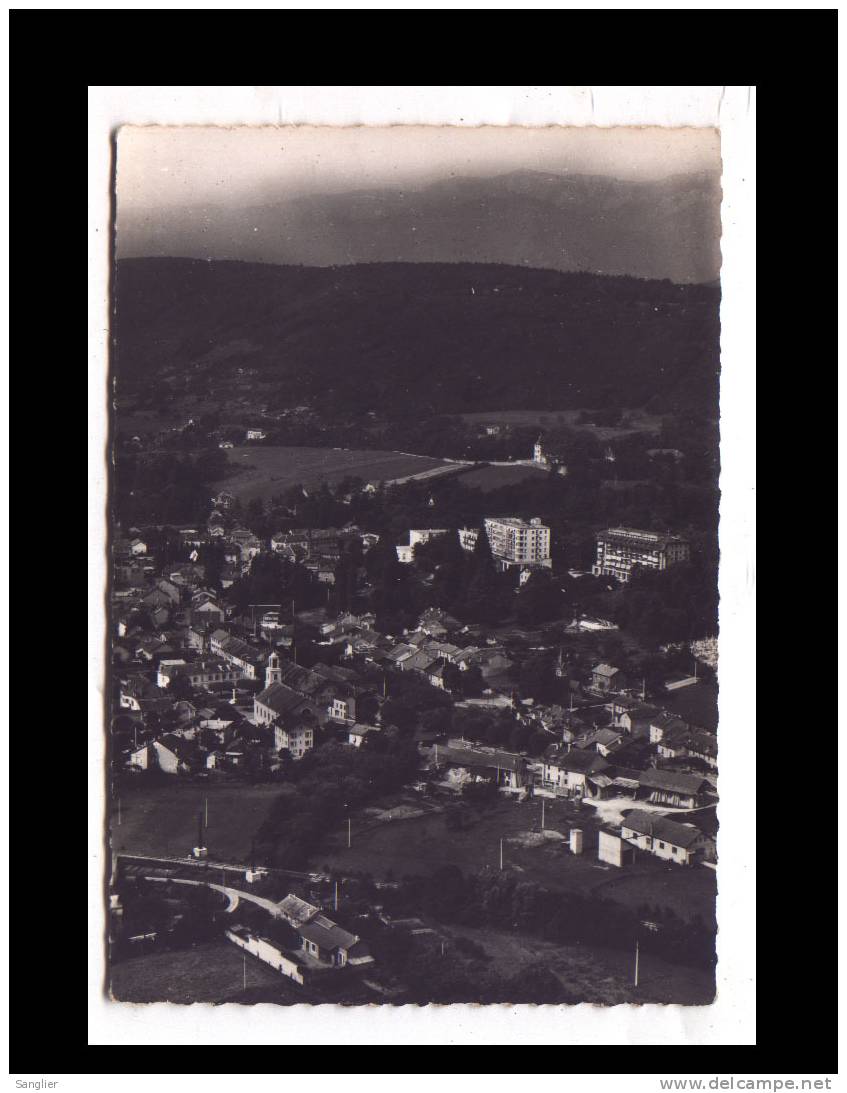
x=620 y=550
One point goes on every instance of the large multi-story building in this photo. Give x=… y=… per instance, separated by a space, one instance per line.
x=514 y=542
x=621 y=550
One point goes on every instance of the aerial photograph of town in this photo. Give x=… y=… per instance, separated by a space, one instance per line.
x=413 y=590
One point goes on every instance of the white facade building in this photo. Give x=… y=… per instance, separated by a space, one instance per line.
x=620 y=550
x=516 y=542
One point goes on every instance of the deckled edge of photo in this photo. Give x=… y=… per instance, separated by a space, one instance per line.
x=731 y=1018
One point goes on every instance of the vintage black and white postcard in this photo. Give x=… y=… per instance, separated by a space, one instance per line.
x=414 y=558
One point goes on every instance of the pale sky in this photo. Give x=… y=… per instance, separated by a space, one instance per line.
x=161 y=167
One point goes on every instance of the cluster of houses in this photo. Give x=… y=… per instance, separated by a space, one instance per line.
x=686 y=836
x=220 y=724
x=209 y=714
x=202 y=688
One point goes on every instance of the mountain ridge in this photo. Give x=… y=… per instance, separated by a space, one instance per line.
x=648 y=228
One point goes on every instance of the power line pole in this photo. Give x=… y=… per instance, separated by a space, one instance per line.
x=542 y=813
x=501 y=854
x=336 y=895
x=349 y=832
x=636 y=964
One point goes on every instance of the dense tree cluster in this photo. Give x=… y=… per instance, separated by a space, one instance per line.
x=680 y=604
x=504 y=901
x=329 y=782
x=164 y=488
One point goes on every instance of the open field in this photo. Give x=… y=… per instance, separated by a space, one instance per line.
x=162 y=819
x=597 y=976
x=493 y=477
x=266 y=471
x=639 y=421
x=424 y=843
x=212 y=972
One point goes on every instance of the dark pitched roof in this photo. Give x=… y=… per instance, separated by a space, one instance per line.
x=580 y=762
x=398 y=652
x=667 y=721
x=660 y=827
x=327 y=934
x=184 y=750
x=674 y=781
x=479 y=757
x=283 y=700
x=603 y=737
x=642 y=712
x=420 y=661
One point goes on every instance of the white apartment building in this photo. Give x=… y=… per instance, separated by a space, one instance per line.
x=514 y=542
x=620 y=550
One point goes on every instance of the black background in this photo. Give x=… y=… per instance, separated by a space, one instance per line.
x=790 y=56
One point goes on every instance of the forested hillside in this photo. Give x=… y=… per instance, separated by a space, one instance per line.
x=412 y=339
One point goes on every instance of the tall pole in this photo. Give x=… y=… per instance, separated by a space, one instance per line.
x=636 y=963
x=336 y=895
x=244 y=980
x=542 y=813
x=119 y=812
x=501 y=853
x=205 y=811
x=349 y=832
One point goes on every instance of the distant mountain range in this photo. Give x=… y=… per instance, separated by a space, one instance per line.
x=413 y=339
x=650 y=229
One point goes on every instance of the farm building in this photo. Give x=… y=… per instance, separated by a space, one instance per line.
x=484 y=764
x=575 y=773
x=667 y=839
x=674 y=788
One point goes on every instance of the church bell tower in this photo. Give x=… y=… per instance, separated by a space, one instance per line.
x=273 y=672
